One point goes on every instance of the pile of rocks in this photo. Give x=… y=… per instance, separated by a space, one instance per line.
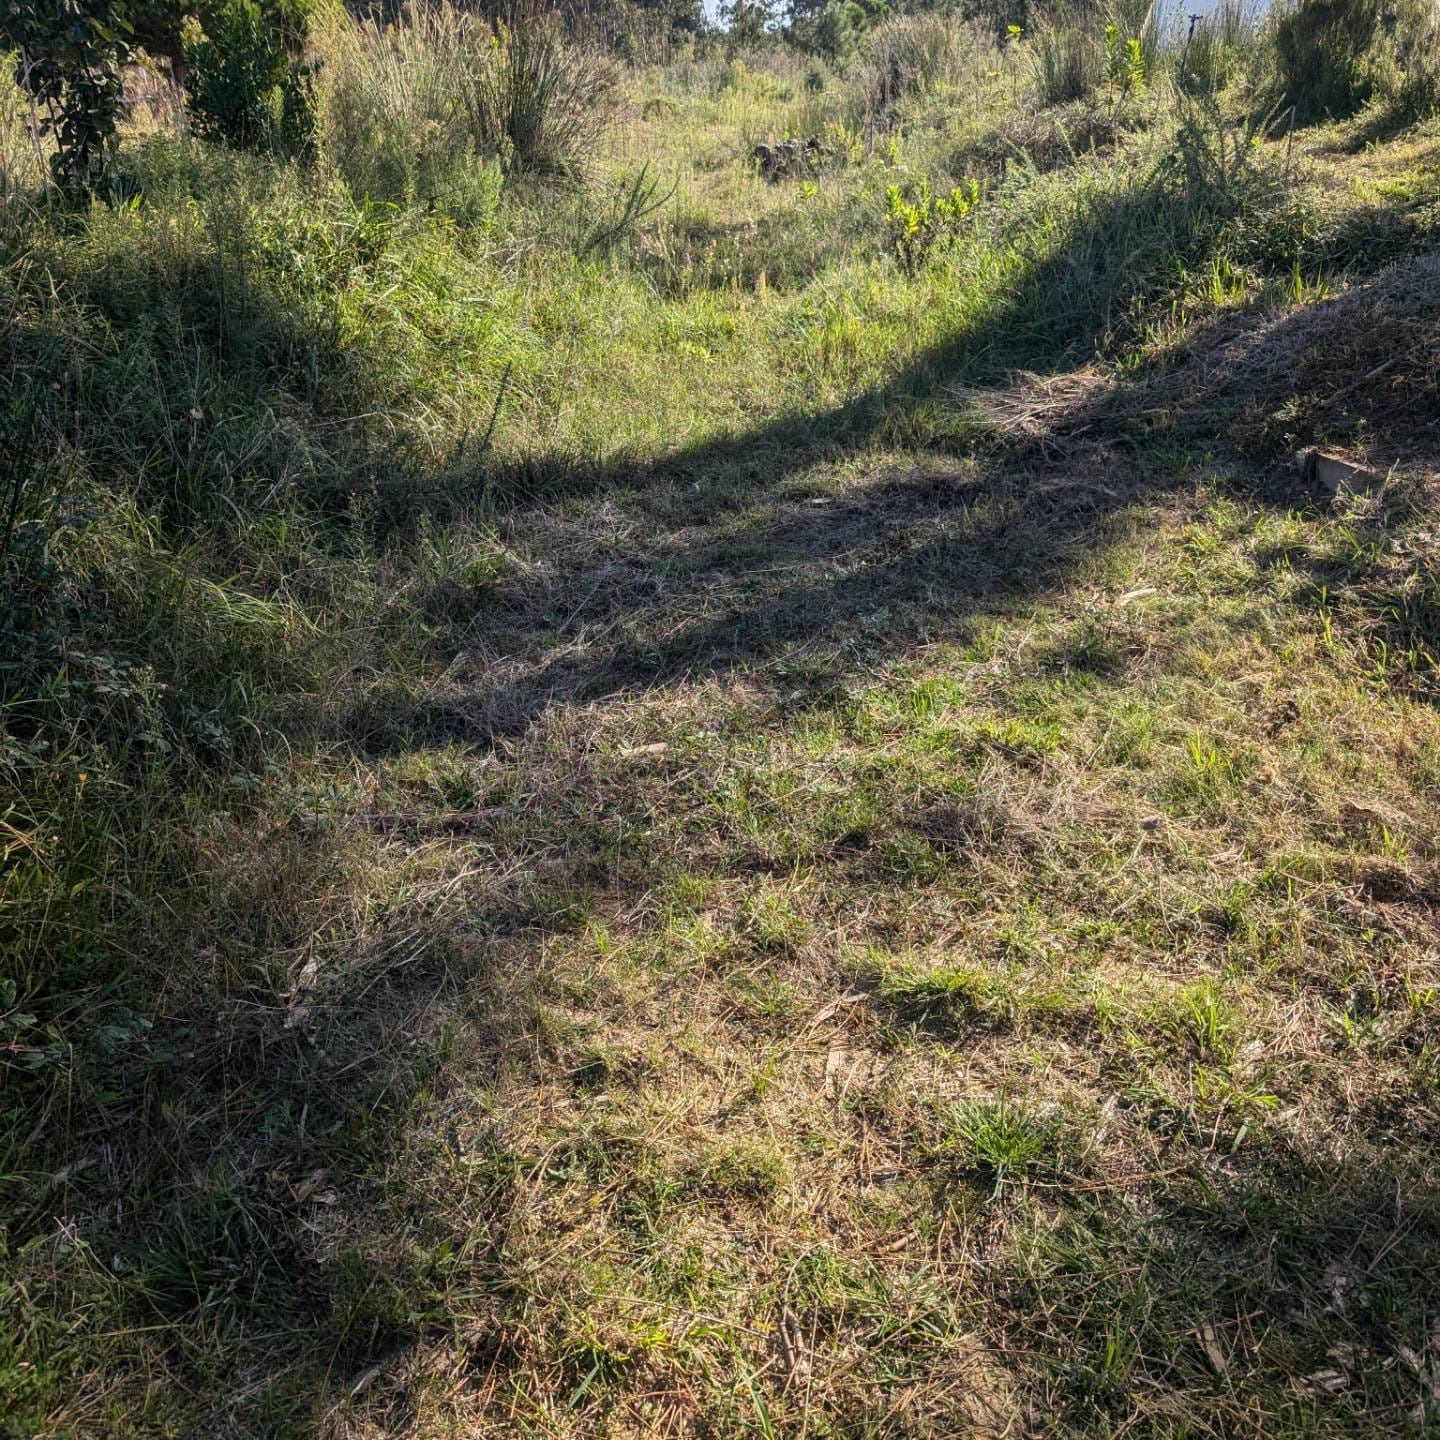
x=790 y=157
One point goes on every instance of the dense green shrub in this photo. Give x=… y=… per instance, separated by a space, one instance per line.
x=250 y=85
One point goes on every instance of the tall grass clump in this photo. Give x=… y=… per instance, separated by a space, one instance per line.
x=911 y=56
x=1075 y=54
x=1322 y=50
x=1408 y=73
x=22 y=165
x=1068 y=62
x=414 y=108
x=1109 y=247
x=543 y=101
x=395 y=124
x=1333 y=57
x=1217 y=45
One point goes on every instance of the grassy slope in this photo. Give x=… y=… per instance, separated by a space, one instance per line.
x=793 y=914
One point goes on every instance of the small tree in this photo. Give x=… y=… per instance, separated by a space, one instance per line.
x=69 y=58
x=748 y=22
x=249 y=84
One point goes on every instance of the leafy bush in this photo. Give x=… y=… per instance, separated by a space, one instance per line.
x=68 y=63
x=249 y=84
x=1124 y=62
x=1335 y=56
x=920 y=222
x=246 y=76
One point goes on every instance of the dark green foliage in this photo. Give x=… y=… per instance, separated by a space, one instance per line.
x=839 y=29
x=251 y=87
x=70 y=54
x=157 y=28
x=834 y=31
x=749 y=22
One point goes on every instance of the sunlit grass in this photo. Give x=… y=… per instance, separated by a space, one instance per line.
x=612 y=825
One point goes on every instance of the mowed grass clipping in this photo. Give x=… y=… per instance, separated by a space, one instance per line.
x=619 y=819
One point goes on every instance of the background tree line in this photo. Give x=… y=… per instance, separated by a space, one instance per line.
x=243 y=65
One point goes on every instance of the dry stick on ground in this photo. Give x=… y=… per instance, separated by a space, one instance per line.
x=452 y=822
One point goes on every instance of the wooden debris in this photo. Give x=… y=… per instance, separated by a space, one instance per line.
x=1334 y=474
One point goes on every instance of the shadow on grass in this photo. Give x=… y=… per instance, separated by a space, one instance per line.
x=773 y=556
x=1281 y=1294
x=258 y=1194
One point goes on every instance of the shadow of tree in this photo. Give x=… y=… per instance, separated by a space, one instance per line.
x=766 y=555
x=756 y=554
x=1218 y=1284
